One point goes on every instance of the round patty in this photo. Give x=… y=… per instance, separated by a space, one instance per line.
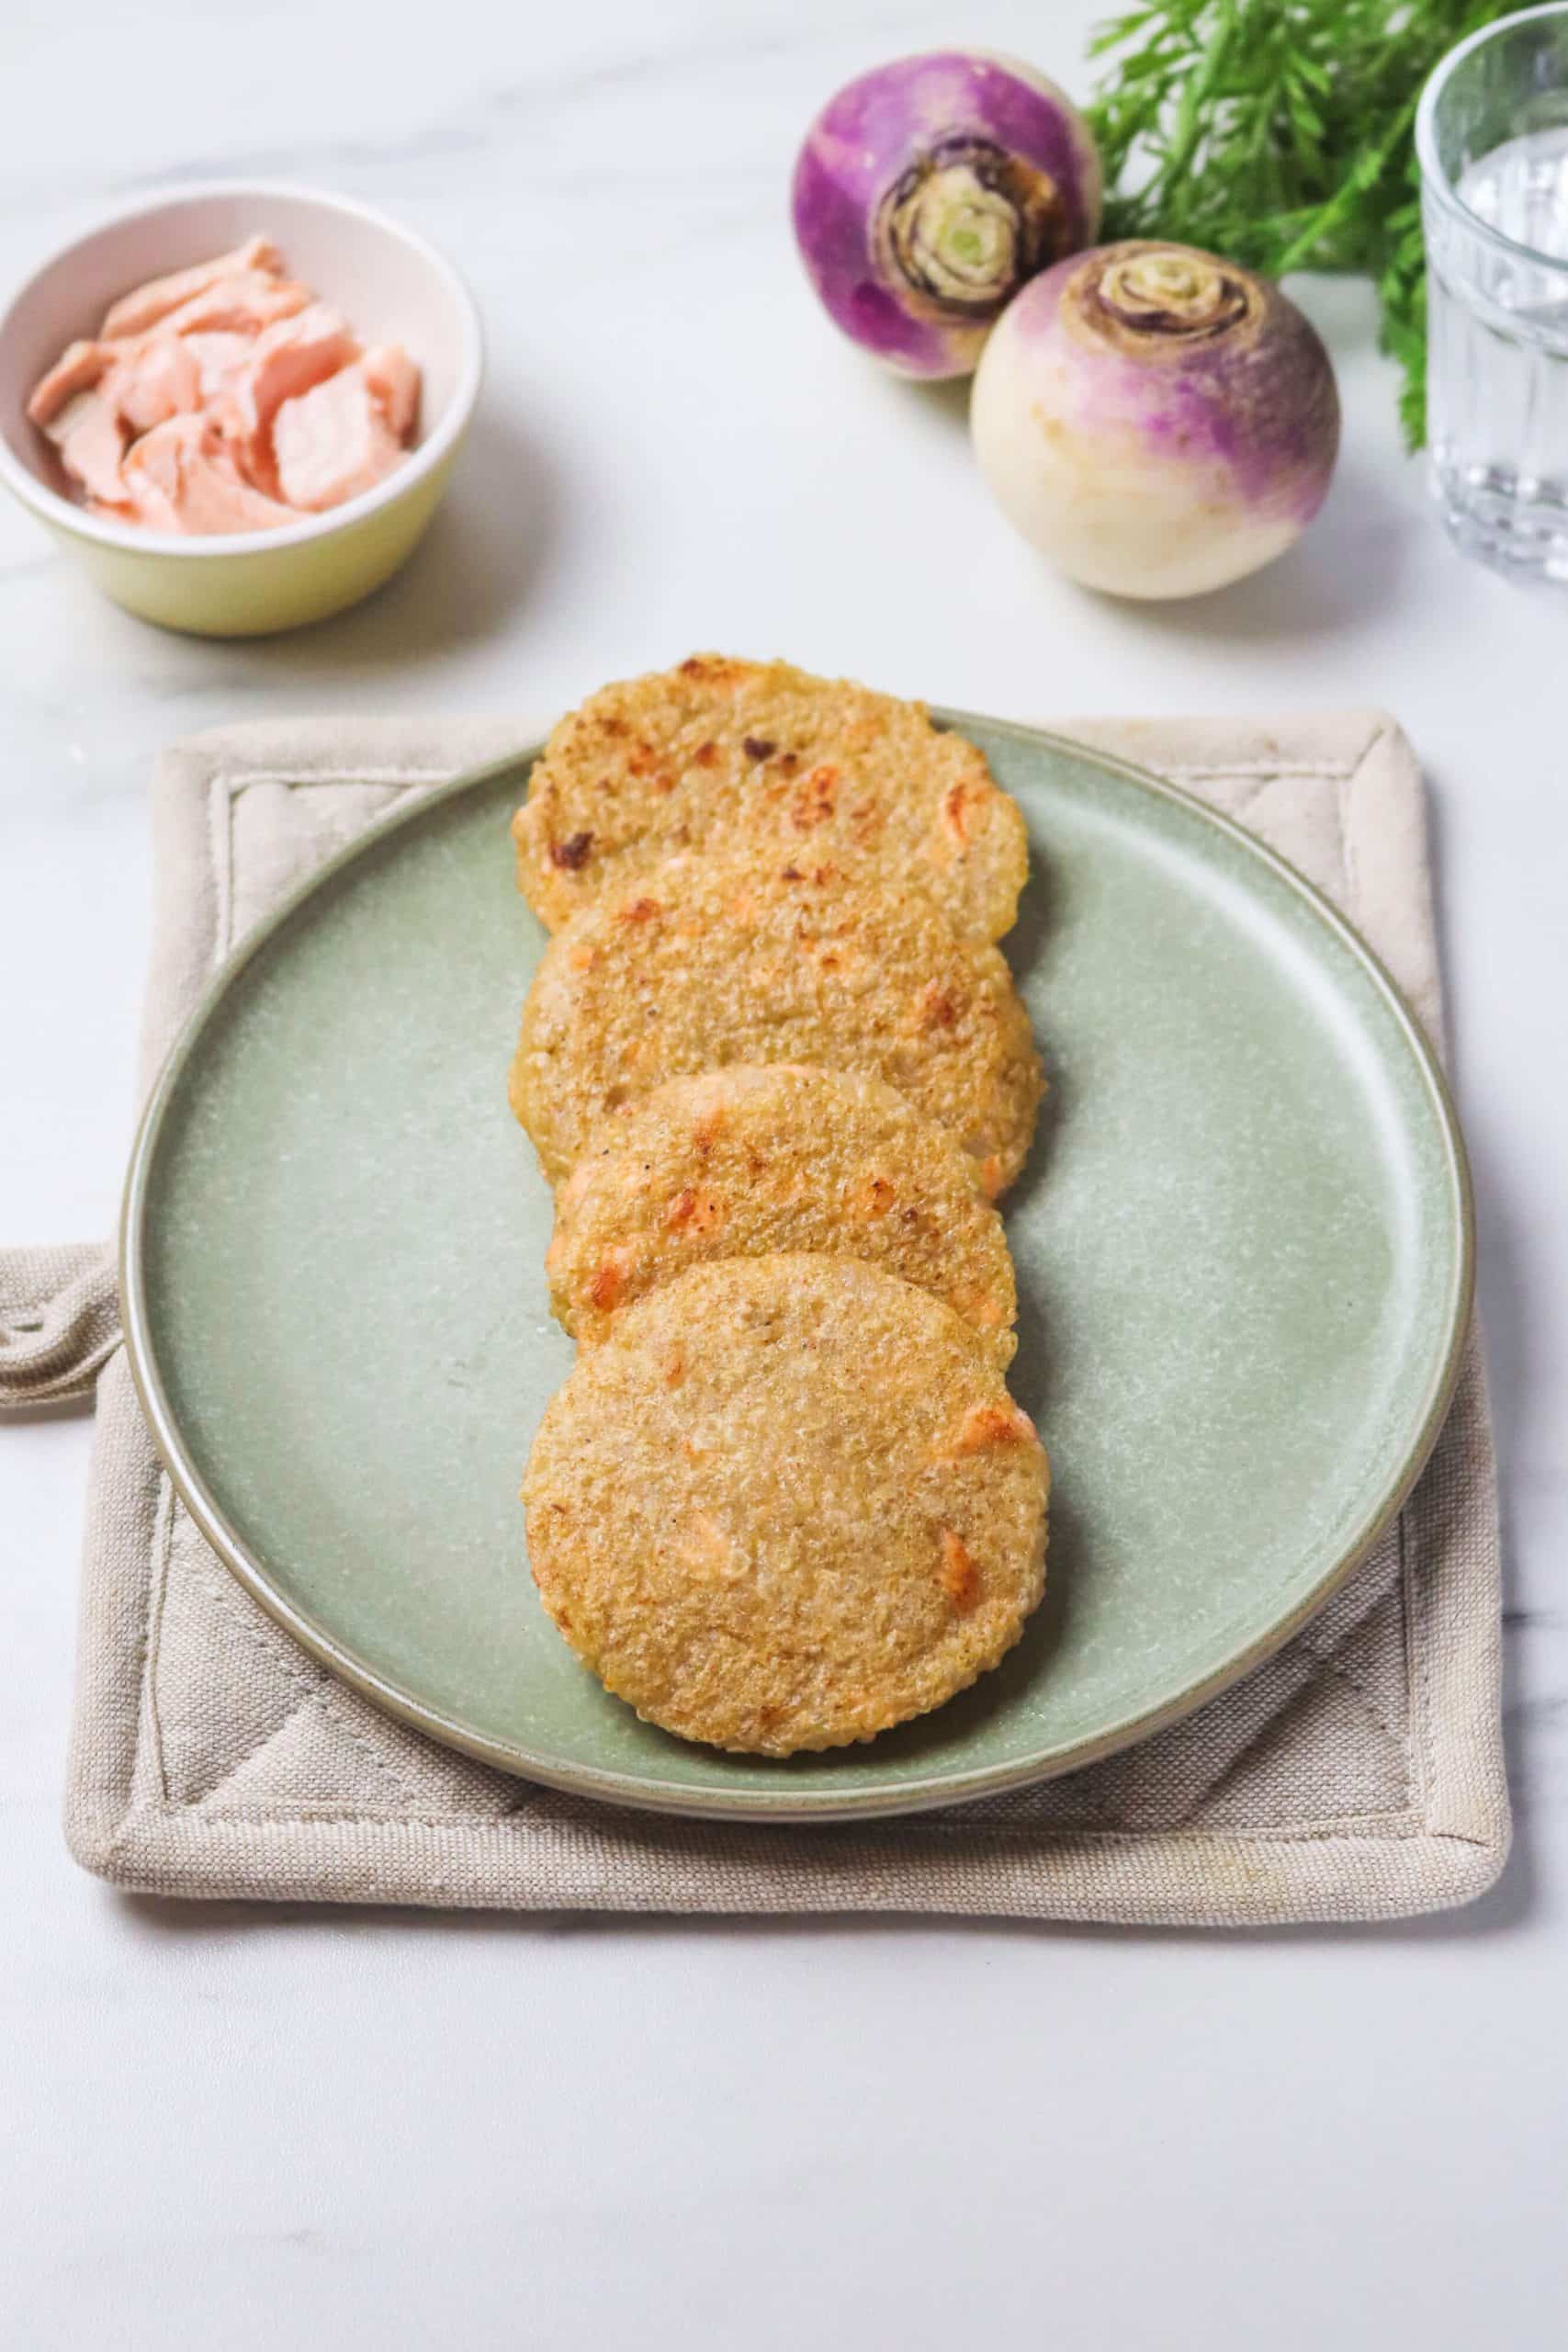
x=704 y=962
x=731 y=756
x=739 y=1162
x=788 y=1503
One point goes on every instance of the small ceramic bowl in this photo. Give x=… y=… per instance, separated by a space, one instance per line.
x=389 y=284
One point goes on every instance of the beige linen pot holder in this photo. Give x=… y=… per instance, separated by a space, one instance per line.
x=1357 y=1775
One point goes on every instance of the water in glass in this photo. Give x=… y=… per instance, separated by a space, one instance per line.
x=1498 y=377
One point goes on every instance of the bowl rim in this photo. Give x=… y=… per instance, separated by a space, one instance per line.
x=423 y=461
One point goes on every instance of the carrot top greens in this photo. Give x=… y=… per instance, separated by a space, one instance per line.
x=1280 y=132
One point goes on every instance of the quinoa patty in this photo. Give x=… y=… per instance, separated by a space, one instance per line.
x=707 y=962
x=728 y=756
x=788 y=1503
x=739 y=1162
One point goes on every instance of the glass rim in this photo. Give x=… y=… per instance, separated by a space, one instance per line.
x=1434 y=178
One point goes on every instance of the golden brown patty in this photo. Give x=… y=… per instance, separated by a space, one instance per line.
x=739 y=1162
x=731 y=756
x=705 y=962
x=788 y=1503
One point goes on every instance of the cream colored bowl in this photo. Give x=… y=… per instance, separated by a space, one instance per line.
x=391 y=287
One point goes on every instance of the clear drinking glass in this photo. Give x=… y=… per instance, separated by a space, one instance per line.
x=1492 y=135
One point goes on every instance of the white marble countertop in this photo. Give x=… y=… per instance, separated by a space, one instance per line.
x=239 y=2128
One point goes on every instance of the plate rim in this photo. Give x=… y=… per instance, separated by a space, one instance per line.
x=609 y=1785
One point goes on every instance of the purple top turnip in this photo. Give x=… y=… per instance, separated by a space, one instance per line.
x=1156 y=421
x=929 y=191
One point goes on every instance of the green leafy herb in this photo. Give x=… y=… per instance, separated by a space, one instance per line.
x=1279 y=133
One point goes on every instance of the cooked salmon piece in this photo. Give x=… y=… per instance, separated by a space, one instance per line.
x=394 y=385
x=219 y=354
x=144 y=306
x=333 y=443
x=286 y=360
x=181 y=478
x=145 y=378
x=152 y=472
x=90 y=441
x=154 y=378
x=79 y=367
x=242 y=304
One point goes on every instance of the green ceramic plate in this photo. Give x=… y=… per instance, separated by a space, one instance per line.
x=1242 y=1246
